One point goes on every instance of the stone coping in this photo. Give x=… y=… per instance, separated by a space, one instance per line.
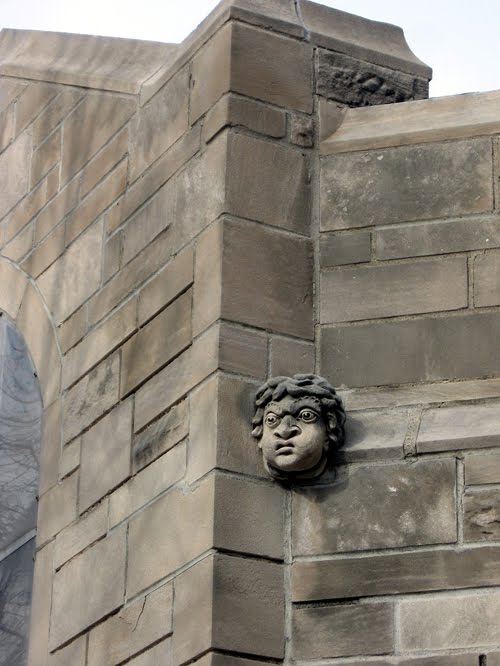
x=423 y=121
x=140 y=67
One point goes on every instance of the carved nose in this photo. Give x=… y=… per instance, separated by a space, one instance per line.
x=287 y=428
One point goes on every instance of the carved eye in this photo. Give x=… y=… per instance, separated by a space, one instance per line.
x=308 y=416
x=271 y=420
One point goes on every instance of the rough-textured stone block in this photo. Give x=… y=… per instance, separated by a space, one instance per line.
x=147 y=484
x=29 y=104
x=75 y=654
x=255 y=63
x=418 y=501
x=487 y=279
x=482 y=515
x=482 y=468
x=100 y=342
x=91 y=397
x=41 y=605
x=302 y=131
x=51 y=446
x=135 y=627
x=160 y=122
x=46 y=253
x=289 y=356
x=104 y=161
x=73 y=329
x=343 y=631
x=46 y=156
x=74 y=538
x=57 y=209
x=450 y=622
x=75 y=276
x=463 y=427
x=426 y=349
x=243 y=112
x=438 y=237
x=105 y=455
x=57 y=508
x=374 y=435
x=406 y=183
x=14 y=173
x=153 y=346
x=242 y=351
x=399 y=573
x=345 y=249
x=369 y=292
x=90 y=127
x=98 y=577
x=160 y=436
x=54 y=113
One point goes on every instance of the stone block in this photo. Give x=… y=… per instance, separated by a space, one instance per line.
x=242 y=351
x=100 y=342
x=154 y=345
x=342 y=631
x=406 y=183
x=91 y=125
x=6 y=127
x=33 y=99
x=207 y=290
x=91 y=397
x=57 y=508
x=281 y=69
x=14 y=173
x=487 y=279
x=160 y=436
x=46 y=253
x=370 y=292
x=461 y=427
x=10 y=89
x=335 y=250
x=51 y=446
x=396 y=573
x=302 y=131
x=41 y=600
x=234 y=111
x=112 y=256
x=438 y=237
x=133 y=628
x=283 y=301
x=57 y=209
x=179 y=525
x=482 y=515
x=147 y=484
x=160 y=122
x=215 y=659
x=482 y=468
x=166 y=285
x=75 y=654
x=54 y=113
x=98 y=577
x=455 y=659
x=73 y=329
x=425 y=349
x=418 y=500
x=12 y=297
x=105 y=160
x=20 y=246
x=46 y=156
x=289 y=356
x=161 y=653
x=268 y=182
x=374 y=435
x=70 y=458
x=75 y=276
x=75 y=538
x=105 y=455
x=450 y=622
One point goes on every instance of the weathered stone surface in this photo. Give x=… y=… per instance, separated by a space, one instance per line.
x=242 y=351
x=73 y=329
x=29 y=104
x=369 y=292
x=243 y=112
x=143 y=622
x=54 y=113
x=41 y=605
x=302 y=131
x=461 y=427
x=283 y=301
x=90 y=127
x=112 y=256
x=70 y=458
x=13 y=296
x=487 y=279
x=418 y=501
x=160 y=436
x=406 y=183
x=342 y=631
x=357 y=83
x=281 y=69
x=399 y=573
x=482 y=515
x=214 y=659
x=18 y=247
x=75 y=276
x=268 y=182
x=57 y=209
x=455 y=659
x=86 y=401
x=51 y=446
x=160 y=122
x=426 y=349
x=147 y=484
x=74 y=538
x=482 y=468
x=14 y=173
x=207 y=289
x=105 y=455
x=289 y=356
x=46 y=156
x=450 y=622
x=98 y=576
x=374 y=435
x=161 y=653
x=7 y=119
x=57 y=508
x=75 y=654
x=154 y=345
x=104 y=161
x=337 y=250
x=9 y=91
x=438 y=237
x=46 y=253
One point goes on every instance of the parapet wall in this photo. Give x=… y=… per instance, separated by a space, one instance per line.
x=175 y=231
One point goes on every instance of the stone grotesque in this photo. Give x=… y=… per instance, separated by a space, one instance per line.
x=299 y=423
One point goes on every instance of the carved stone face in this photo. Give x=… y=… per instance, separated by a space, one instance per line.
x=294 y=438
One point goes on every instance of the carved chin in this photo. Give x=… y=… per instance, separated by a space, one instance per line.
x=290 y=472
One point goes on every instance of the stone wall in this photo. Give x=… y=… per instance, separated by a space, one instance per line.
x=169 y=238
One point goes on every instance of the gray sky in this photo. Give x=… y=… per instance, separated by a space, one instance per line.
x=459 y=39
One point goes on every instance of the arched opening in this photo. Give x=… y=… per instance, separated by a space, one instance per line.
x=20 y=437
